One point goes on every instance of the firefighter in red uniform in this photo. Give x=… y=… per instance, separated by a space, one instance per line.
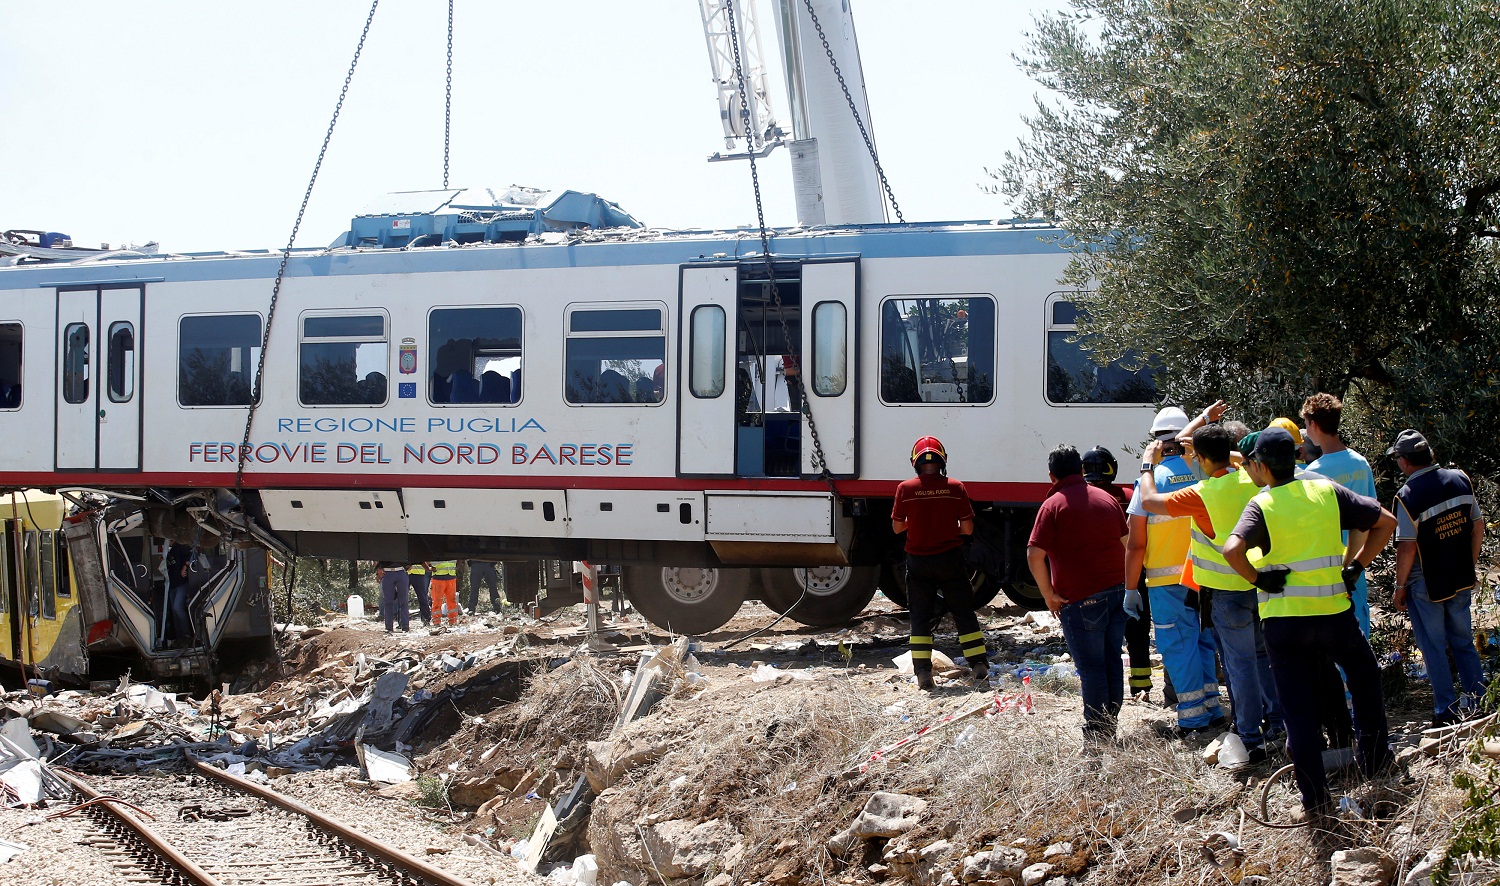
x=936 y=515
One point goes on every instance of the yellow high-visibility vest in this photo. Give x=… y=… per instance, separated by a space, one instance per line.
x=444 y=568
x=1225 y=498
x=1302 y=519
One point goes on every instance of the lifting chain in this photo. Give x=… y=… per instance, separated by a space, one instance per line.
x=448 y=98
x=869 y=143
x=820 y=462
x=265 y=341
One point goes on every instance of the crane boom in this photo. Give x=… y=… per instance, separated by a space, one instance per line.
x=764 y=133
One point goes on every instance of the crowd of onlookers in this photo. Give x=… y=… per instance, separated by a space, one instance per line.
x=1245 y=550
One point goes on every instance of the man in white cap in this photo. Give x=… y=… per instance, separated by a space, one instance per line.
x=1160 y=544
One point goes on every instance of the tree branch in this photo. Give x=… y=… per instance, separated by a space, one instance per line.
x=1474 y=197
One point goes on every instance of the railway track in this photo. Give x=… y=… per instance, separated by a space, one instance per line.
x=212 y=828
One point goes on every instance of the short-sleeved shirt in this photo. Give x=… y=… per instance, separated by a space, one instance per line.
x=1406 y=527
x=1355 y=512
x=932 y=506
x=1348 y=469
x=1080 y=528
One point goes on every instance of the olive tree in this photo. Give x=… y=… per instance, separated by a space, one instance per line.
x=1274 y=197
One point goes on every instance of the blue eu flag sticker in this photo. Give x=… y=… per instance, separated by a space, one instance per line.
x=407 y=390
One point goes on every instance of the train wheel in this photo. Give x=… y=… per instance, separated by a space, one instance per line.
x=687 y=599
x=893 y=583
x=1022 y=591
x=835 y=594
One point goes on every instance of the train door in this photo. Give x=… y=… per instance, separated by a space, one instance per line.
x=98 y=379
x=830 y=314
x=706 y=400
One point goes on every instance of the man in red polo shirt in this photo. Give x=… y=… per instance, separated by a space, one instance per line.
x=1080 y=534
x=936 y=515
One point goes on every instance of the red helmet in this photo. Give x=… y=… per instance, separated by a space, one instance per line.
x=928 y=449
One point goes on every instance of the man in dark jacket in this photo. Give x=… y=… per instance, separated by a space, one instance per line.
x=1439 y=531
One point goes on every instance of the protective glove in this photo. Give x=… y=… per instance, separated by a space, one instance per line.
x=1352 y=572
x=1134 y=605
x=1272 y=581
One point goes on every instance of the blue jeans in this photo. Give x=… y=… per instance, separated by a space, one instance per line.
x=1441 y=629
x=182 y=624
x=1243 y=646
x=1094 y=629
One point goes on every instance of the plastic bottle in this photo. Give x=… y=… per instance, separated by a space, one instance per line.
x=356 y=606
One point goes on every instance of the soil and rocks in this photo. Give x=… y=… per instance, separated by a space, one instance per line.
x=789 y=756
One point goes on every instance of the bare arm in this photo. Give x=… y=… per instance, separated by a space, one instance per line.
x=1212 y=414
x=1151 y=501
x=898 y=526
x=1356 y=541
x=1478 y=538
x=1377 y=537
x=1406 y=555
x=966 y=526
x=1234 y=555
x=1036 y=558
x=1135 y=550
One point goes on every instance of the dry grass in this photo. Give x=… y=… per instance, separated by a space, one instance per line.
x=768 y=760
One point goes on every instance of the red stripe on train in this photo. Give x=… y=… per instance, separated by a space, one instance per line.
x=993 y=492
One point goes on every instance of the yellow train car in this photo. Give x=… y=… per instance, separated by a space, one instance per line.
x=83 y=591
x=41 y=617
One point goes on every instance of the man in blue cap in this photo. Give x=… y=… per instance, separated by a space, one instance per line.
x=1294 y=527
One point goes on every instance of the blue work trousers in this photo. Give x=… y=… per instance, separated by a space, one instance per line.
x=1442 y=629
x=1187 y=652
x=393 y=589
x=1304 y=645
x=1094 y=629
x=1236 y=618
x=421 y=584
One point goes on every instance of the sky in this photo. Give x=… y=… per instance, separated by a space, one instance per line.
x=197 y=124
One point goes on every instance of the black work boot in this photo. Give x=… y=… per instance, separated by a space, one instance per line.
x=924 y=680
x=980 y=676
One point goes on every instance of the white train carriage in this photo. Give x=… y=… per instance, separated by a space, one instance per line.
x=624 y=396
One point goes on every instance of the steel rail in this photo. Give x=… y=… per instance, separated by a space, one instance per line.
x=153 y=840
x=364 y=842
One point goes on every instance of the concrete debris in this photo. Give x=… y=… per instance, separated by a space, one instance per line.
x=680 y=849
x=1364 y=866
x=1035 y=874
x=885 y=815
x=994 y=865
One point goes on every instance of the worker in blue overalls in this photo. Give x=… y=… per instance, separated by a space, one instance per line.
x=1160 y=545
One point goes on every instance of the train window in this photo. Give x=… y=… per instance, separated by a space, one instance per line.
x=706 y=371
x=217 y=355
x=76 y=363
x=937 y=349
x=57 y=543
x=615 y=354
x=10 y=366
x=830 y=349
x=31 y=569
x=46 y=588
x=344 y=358
x=1074 y=377
x=474 y=355
x=121 y=361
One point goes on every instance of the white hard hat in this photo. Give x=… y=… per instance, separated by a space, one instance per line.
x=1170 y=420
